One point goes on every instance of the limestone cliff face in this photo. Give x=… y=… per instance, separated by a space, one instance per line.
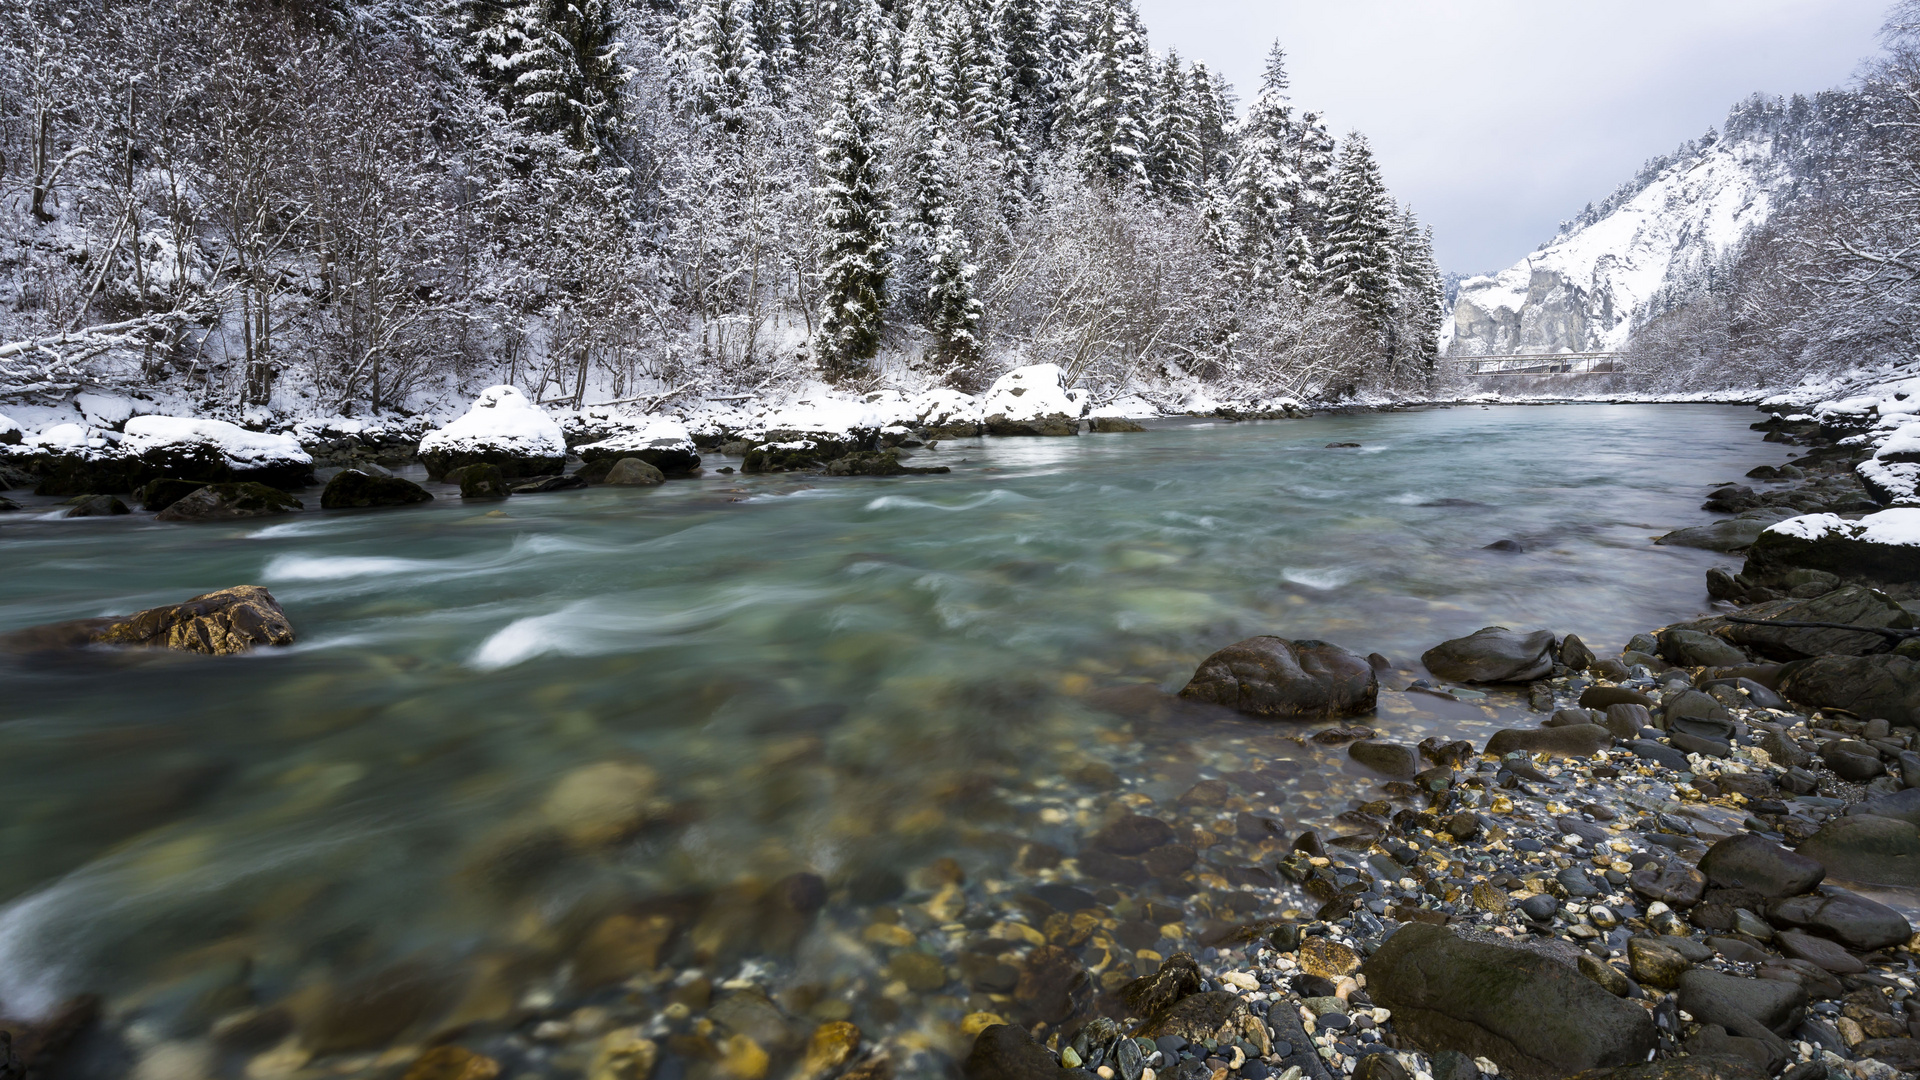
x=1655 y=240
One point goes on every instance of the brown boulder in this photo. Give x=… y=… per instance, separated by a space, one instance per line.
x=217 y=624
x=1288 y=680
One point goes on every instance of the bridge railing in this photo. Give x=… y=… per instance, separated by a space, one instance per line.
x=1541 y=364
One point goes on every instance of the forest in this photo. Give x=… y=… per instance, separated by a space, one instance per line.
x=1831 y=281
x=349 y=207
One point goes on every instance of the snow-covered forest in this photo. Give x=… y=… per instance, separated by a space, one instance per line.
x=1831 y=279
x=315 y=207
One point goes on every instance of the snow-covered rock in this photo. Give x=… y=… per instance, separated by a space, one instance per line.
x=10 y=433
x=1654 y=242
x=1034 y=400
x=79 y=459
x=945 y=413
x=662 y=443
x=502 y=428
x=1883 y=546
x=244 y=452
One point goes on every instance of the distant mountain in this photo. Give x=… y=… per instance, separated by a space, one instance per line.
x=1657 y=240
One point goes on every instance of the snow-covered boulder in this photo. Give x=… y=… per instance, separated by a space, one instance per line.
x=662 y=443
x=1034 y=400
x=76 y=459
x=352 y=442
x=1882 y=547
x=502 y=428
x=944 y=413
x=10 y=433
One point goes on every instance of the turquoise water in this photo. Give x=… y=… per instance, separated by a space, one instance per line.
x=836 y=676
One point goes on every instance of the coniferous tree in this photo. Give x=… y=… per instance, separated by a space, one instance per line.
x=1213 y=124
x=554 y=65
x=721 y=67
x=1422 y=294
x=855 y=225
x=1314 y=159
x=1111 y=87
x=1020 y=28
x=1265 y=180
x=1174 y=167
x=1362 y=239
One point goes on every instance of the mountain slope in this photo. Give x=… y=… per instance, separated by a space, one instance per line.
x=1658 y=239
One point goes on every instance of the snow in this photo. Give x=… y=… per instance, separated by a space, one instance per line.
x=502 y=418
x=80 y=439
x=242 y=449
x=1904 y=441
x=9 y=431
x=652 y=433
x=104 y=410
x=1900 y=480
x=1586 y=289
x=942 y=407
x=1035 y=391
x=1898 y=527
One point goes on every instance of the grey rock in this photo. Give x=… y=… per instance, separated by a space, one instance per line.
x=1883 y=686
x=96 y=506
x=1819 y=952
x=1851 y=920
x=1692 y=648
x=1005 y=1052
x=1492 y=654
x=1738 y=1003
x=1626 y=721
x=1867 y=849
x=633 y=472
x=1665 y=755
x=1537 y=1018
x=1851 y=759
x=1903 y=805
x=1580 y=740
x=1386 y=758
x=1673 y=883
x=357 y=489
x=1852 y=604
x=1732 y=534
x=230 y=502
x=1754 y=863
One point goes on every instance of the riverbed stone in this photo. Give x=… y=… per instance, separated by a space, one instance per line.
x=1672 y=882
x=1851 y=759
x=1606 y=697
x=1733 y=1001
x=1327 y=958
x=1747 y=861
x=222 y=623
x=1387 y=758
x=1712 y=1066
x=633 y=472
x=1655 y=962
x=1217 y=1015
x=1576 y=740
x=601 y=804
x=1289 y=680
x=1005 y=1052
x=452 y=1063
x=1492 y=654
x=1850 y=919
x=1133 y=834
x=877 y=463
x=1730 y=534
x=1855 y=605
x=353 y=489
x=1692 y=648
x=1537 y=1018
x=1883 y=686
x=1824 y=954
x=230 y=502
x=1177 y=977
x=481 y=480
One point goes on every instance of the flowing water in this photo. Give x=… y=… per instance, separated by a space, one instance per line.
x=846 y=677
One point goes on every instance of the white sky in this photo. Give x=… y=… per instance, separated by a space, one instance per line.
x=1498 y=119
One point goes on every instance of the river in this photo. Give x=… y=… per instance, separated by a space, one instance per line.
x=852 y=678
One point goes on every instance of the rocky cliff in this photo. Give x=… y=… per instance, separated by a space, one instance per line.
x=1657 y=239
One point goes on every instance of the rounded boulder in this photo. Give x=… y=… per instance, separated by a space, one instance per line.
x=1286 y=680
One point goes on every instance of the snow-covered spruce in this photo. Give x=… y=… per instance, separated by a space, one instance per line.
x=502 y=428
x=1035 y=400
x=76 y=459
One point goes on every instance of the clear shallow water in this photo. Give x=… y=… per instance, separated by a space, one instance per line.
x=838 y=676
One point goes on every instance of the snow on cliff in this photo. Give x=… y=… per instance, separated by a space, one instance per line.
x=1656 y=239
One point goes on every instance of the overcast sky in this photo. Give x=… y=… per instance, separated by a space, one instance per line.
x=1498 y=119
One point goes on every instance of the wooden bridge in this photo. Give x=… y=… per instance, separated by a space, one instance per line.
x=1541 y=364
